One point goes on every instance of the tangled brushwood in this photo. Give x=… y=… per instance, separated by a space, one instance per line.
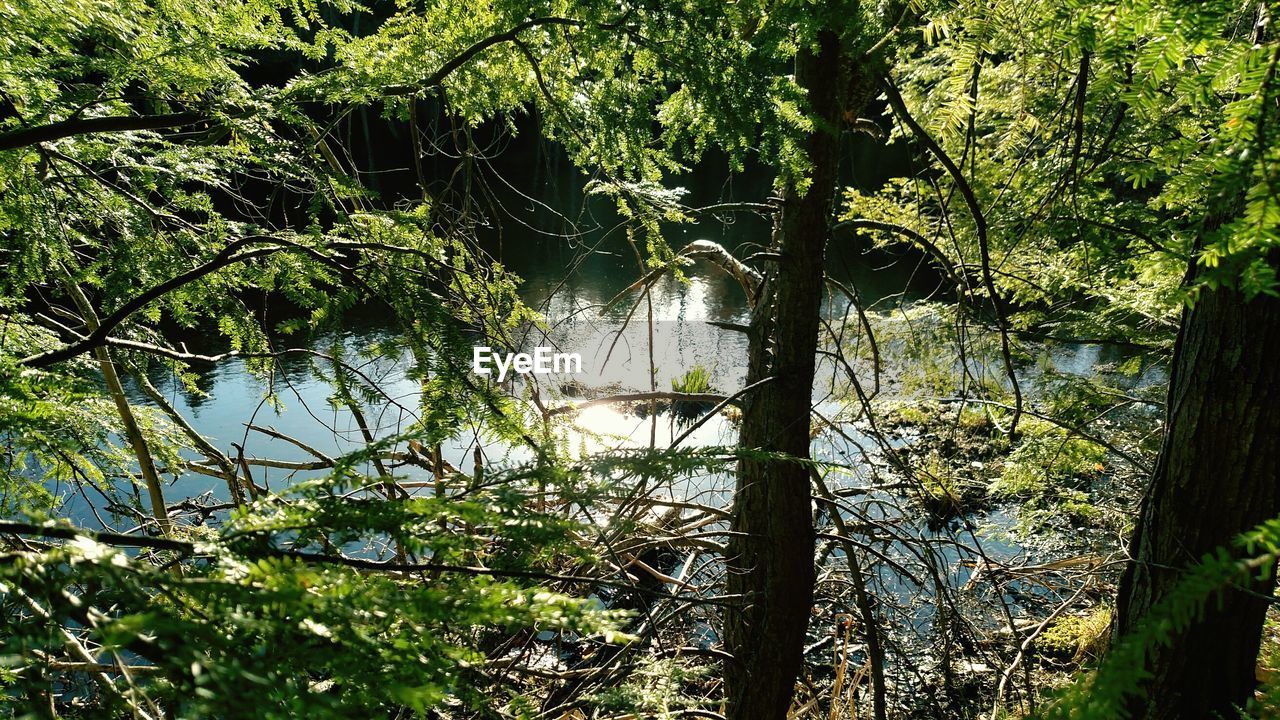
x=969 y=405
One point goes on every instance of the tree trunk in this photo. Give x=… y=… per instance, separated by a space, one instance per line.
x=1215 y=478
x=770 y=554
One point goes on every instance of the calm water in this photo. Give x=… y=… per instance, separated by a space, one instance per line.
x=571 y=281
x=573 y=261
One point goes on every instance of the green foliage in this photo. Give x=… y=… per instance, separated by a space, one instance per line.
x=930 y=355
x=943 y=494
x=1046 y=459
x=1105 y=143
x=250 y=617
x=657 y=688
x=239 y=626
x=914 y=414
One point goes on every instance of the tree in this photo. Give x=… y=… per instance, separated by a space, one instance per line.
x=1220 y=451
x=1191 y=94
x=134 y=147
x=1220 y=447
x=769 y=554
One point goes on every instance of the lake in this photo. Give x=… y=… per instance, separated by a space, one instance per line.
x=573 y=263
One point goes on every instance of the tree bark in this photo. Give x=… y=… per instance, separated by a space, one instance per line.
x=770 y=553
x=1215 y=478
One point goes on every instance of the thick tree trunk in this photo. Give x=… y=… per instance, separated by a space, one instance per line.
x=1216 y=477
x=770 y=554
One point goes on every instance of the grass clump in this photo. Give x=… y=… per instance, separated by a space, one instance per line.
x=974 y=419
x=696 y=380
x=942 y=491
x=1049 y=471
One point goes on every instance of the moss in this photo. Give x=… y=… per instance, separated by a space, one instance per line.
x=1266 y=703
x=1034 y=427
x=973 y=419
x=913 y=415
x=1077 y=637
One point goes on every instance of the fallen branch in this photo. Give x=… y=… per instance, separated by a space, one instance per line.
x=154 y=543
x=644 y=396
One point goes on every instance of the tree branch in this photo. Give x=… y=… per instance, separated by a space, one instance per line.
x=476 y=48
x=228 y=256
x=646 y=396
x=87 y=126
x=956 y=276
x=980 y=226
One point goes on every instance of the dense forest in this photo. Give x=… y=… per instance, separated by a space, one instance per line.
x=578 y=360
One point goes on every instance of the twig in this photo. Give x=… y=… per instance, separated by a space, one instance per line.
x=980 y=226
x=1026 y=645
